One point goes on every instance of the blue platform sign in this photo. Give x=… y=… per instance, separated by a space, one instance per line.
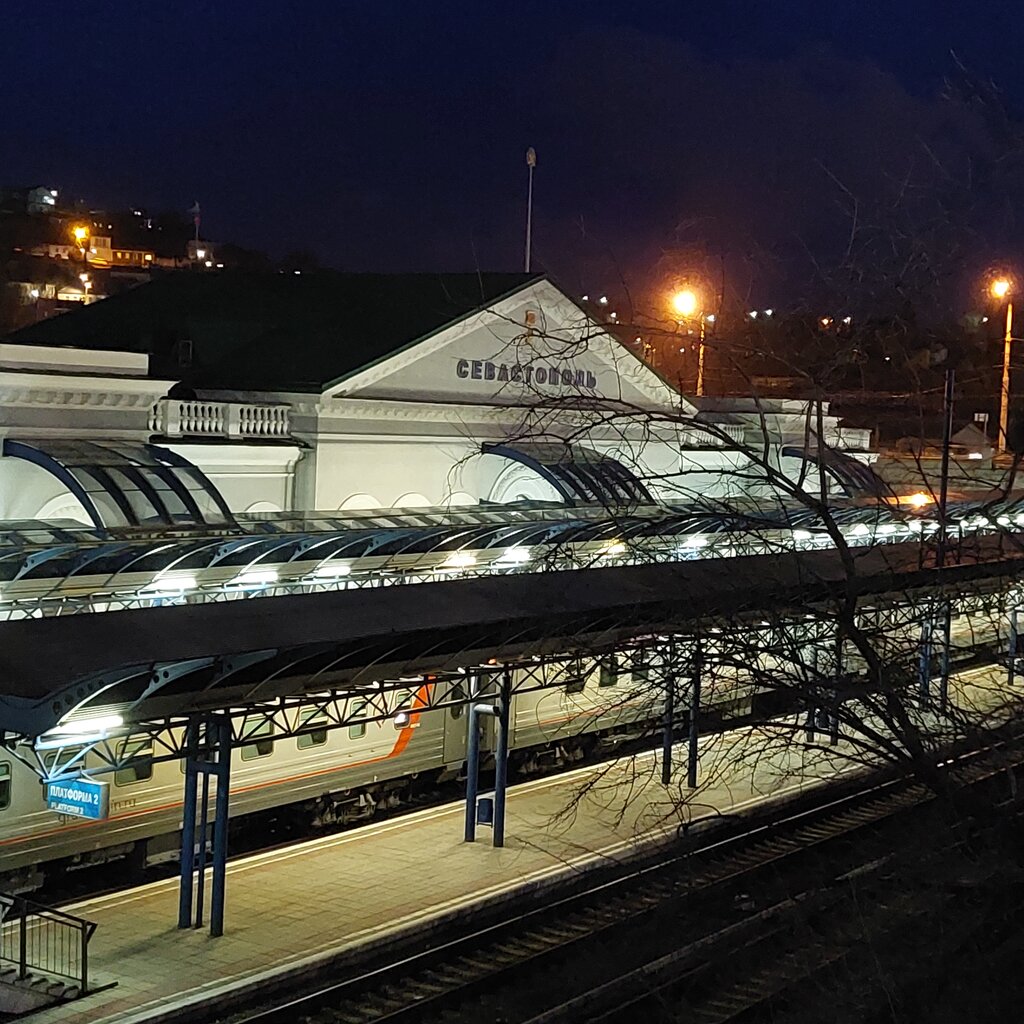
x=81 y=798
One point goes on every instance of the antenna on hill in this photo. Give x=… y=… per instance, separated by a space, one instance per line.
x=531 y=162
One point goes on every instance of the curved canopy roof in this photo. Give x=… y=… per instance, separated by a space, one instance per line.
x=123 y=483
x=177 y=660
x=37 y=550
x=579 y=475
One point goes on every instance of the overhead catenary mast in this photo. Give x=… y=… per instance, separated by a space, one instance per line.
x=531 y=162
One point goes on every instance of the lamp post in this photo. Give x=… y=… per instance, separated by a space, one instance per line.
x=531 y=162
x=81 y=237
x=686 y=305
x=1000 y=289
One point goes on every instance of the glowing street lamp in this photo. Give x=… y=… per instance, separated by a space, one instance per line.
x=80 y=233
x=685 y=304
x=1001 y=288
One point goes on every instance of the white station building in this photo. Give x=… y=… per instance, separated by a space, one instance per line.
x=328 y=392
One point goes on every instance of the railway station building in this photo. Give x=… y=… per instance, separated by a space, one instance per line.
x=205 y=395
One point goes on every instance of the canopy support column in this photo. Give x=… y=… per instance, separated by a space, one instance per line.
x=208 y=753
x=692 y=754
x=488 y=810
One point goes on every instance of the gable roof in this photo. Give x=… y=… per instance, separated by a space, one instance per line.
x=274 y=332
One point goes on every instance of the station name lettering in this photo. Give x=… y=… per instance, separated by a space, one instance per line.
x=79 y=796
x=553 y=376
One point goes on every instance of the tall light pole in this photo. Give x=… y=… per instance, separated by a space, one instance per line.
x=686 y=305
x=1000 y=289
x=531 y=162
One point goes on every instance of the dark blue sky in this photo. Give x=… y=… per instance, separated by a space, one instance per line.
x=390 y=135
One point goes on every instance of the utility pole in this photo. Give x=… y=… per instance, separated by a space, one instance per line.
x=531 y=162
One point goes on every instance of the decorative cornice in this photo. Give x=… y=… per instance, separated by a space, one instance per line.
x=77 y=398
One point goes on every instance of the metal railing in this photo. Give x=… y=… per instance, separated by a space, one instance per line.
x=173 y=417
x=38 y=938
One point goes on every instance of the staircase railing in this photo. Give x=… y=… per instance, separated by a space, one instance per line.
x=38 y=938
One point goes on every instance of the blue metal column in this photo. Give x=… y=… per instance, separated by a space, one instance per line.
x=692 y=754
x=204 y=831
x=222 y=769
x=501 y=758
x=946 y=627
x=472 y=761
x=813 y=681
x=668 y=725
x=188 y=825
x=840 y=673
x=924 y=663
x=1012 y=651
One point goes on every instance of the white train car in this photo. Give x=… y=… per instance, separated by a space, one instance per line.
x=334 y=775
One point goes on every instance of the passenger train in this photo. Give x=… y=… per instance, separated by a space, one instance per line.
x=341 y=775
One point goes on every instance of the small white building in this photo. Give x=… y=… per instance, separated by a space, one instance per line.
x=334 y=392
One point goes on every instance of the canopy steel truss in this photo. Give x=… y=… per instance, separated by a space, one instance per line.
x=49 y=570
x=119 y=741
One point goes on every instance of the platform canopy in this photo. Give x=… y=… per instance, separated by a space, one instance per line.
x=578 y=474
x=168 y=663
x=122 y=483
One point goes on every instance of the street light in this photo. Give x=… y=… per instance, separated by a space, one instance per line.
x=1001 y=288
x=80 y=233
x=685 y=304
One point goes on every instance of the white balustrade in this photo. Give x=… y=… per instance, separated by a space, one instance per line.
x=174 y=417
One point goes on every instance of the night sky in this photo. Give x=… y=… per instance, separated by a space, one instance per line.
x=391 y=136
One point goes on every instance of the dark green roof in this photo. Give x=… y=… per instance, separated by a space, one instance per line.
x=276 y=332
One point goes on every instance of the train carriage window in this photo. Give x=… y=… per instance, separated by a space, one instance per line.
x=609 y=671
x=257 y=731
x=641 y=667
x=575 y=676
x=457 y=694
x=311 y=716
x=5 y=785
x=139 y=771
x=402 y=718
x=358 y=729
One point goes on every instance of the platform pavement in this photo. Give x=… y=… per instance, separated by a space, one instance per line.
x=293 y=909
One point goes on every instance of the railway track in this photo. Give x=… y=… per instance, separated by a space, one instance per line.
x=463 y=979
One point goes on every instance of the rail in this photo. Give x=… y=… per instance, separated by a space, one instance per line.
x=172 y=417
x=34 y=937
x=456 y=971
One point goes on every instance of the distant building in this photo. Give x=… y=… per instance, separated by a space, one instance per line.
x=201 y=252
x=103 y=253
x=30 y=199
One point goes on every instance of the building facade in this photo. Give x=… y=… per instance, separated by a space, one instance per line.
x=509 y=394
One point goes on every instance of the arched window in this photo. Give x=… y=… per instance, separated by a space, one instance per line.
x=64 y=507
x=263 y=506
x=459 y=498
x=412 y=500
x=355 y=502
